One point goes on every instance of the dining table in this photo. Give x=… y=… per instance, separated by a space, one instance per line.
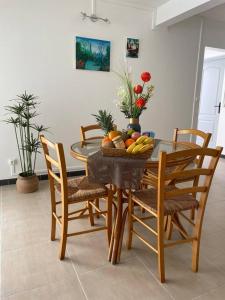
x=83 y=150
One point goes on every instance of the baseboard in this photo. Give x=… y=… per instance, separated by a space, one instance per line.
x=42 y=177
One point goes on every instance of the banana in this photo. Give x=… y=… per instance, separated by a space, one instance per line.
x=137 y=148
x=145 y=148
x=148 y=140
x=140 y=139
x=131 y=147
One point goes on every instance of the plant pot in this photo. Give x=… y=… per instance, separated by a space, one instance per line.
x=134 y=124
x=27 y=184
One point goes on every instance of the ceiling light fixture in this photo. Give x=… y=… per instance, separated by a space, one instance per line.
x=93 y=17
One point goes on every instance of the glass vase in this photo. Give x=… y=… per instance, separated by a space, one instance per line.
x=134 y=124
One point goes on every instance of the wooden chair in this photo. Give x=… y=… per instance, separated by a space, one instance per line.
x=192 y=133
x=205 y=142
x=172 y=201
x=85 y=129
x=71 y=192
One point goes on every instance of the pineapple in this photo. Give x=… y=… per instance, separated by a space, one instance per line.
x=105 y=121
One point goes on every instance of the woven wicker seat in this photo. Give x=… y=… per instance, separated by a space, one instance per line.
x=80 y=189
x=148 y=200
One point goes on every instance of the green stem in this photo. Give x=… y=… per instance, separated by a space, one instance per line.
x=28 y=141
x=26 y=158
x=22 y=143
x=35 y=156
x=18 y=146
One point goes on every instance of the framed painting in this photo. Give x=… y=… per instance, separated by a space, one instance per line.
x=132 y=48
x=92 y=54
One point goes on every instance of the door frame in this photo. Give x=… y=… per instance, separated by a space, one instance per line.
x=198 y=81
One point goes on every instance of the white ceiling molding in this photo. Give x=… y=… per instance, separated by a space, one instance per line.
x=147 y=5
x=175 y=11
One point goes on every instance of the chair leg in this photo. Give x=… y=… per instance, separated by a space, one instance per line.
x=109 y=216
x=130 y=222
x=192 y=214
x=160 y=242
x=63 y=240
x=97 y=205
x=90 y=210
x=195 y=255
x=169 y=227
x=142 y=210
x=53 y=208
x=53 y=228
x=143 y=187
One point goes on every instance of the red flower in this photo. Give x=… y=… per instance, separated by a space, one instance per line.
x=146 y=76
x=138 y=89
x=140 y=102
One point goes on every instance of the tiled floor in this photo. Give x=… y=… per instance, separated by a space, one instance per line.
x=31 y=270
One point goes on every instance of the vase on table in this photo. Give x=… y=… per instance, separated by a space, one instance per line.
x=134 y=124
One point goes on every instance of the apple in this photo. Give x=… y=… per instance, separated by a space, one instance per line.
x=135 y=135
x=130 y=132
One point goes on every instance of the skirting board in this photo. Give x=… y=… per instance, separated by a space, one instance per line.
x=42 y=177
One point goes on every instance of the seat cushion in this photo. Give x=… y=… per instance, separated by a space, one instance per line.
x=82 y=189
x=148 y=199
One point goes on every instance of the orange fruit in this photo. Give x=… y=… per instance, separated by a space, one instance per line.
x=107 y=143
x=114 y=133
x=106 y=139
x=129 y=142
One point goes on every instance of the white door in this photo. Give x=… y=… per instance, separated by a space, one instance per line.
x=210 y=100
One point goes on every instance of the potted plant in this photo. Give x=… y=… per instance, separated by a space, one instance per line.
x=134 y=98
x=22 y=113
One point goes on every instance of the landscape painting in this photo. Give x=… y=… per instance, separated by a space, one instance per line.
x=92 y=54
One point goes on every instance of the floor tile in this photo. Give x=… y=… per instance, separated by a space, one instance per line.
x=130 y=280
x=32 y=267
x=57 y=291
x=215 y=294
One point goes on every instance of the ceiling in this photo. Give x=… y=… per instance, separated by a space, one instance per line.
x=143 y=4
x=216 y=13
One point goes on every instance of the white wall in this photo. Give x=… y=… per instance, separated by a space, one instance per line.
x=37 y=52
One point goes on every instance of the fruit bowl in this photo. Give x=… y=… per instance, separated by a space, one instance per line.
x=127 y=144
x=115 y=152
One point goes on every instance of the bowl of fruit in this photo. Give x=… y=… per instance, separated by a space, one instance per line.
x=127 y=143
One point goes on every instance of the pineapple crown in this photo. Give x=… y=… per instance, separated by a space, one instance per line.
x=104 y=120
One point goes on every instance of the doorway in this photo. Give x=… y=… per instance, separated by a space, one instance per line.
x=211 y=106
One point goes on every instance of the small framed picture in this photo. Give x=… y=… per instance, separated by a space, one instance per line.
x=132 y=48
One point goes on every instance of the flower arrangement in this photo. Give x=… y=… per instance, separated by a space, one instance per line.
x=133 y=98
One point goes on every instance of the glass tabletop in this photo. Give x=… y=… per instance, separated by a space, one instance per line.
x=89 y=147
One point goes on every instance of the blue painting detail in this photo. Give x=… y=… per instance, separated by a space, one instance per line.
x=92 y=54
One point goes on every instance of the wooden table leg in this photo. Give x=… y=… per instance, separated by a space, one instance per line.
x=122 y=232
x=115 y=241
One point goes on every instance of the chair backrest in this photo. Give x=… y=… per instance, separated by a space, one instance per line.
x=196 y=133
x=192 y=132
x=164 y=176
x=84 y=129
x=56 y=166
